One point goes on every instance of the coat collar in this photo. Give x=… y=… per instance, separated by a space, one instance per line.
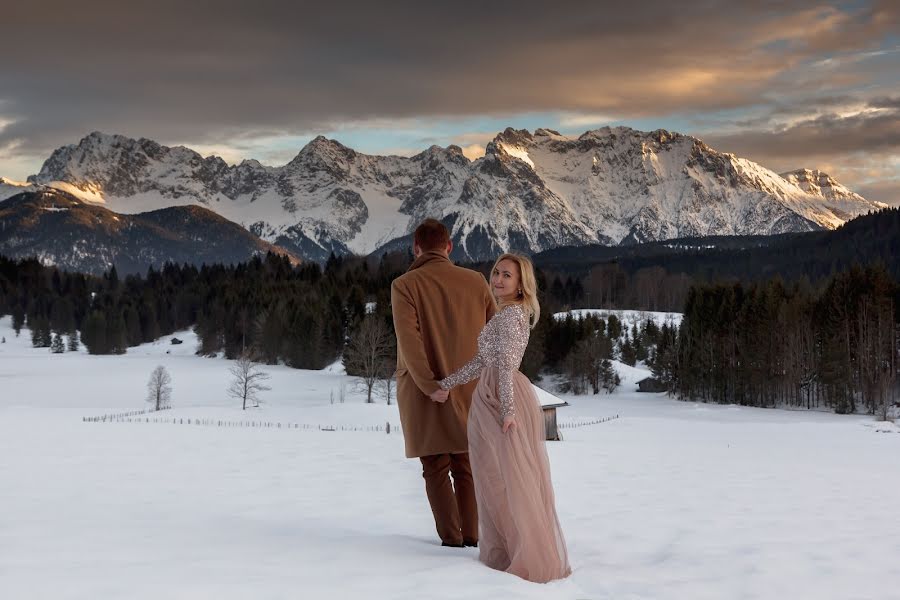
x=428 y=257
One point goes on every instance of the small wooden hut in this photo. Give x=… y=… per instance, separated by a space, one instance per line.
x=549 y=403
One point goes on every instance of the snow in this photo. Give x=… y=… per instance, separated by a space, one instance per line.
x=384 y=224
x=92 y=193
x=671 y=500
x=518 y=152
x=9 y=188
x=545 y=398
x=626 y=317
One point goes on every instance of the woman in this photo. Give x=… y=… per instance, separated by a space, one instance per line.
x=519 y=529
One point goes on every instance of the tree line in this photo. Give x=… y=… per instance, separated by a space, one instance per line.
x=772 y=344
x=297 y=316
x=303 y=316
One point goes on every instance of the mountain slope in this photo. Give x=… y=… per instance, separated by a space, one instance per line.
x=59 y=229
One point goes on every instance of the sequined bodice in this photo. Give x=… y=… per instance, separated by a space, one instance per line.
x=501 y=344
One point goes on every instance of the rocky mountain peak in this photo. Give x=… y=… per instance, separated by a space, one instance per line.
x=543 y=132
x=809 y=178
x=322 y=145
x=251 y=163
x=325 y=154
x=819 y=183
x=514 y=137
x=435 y=157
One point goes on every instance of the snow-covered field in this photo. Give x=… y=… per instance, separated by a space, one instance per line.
x=672 y=500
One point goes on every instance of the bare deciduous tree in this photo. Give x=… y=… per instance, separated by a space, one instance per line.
x=387 y=381
x=247 y=382
x=370 y=352
x=159 y=388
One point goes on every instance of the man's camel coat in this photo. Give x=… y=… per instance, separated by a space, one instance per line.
x=439 y=310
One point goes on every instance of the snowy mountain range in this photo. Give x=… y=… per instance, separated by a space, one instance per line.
x=530 y=192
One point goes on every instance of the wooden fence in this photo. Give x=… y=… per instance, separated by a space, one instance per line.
x=142 y=416
x=119 y=416
x=136 y=417
x=573 y=425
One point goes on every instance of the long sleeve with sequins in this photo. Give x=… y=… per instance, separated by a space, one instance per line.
x=513 y=333
x=501 y=344
x=466 y=373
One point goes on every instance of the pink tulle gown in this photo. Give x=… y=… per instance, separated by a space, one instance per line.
x=517 y=522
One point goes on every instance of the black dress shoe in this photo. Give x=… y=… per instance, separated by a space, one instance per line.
x=470 y=543
x=451 y=545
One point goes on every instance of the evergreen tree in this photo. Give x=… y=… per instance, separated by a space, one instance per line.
x=613 y=327
x=41 y=336
x=609 y=379
x=534 y=356
x=57 y=346
x=18 y=319
x=664 y=357
x=627 y=351
x=116 y=335
x=93 y=333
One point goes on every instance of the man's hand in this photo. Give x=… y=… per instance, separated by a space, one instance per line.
x=440 y=396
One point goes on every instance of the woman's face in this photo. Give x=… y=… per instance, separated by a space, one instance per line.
x=505 y=280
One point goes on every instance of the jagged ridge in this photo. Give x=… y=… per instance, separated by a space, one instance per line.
x=530 y=192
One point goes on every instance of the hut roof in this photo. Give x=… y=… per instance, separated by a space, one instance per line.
x=547 y=399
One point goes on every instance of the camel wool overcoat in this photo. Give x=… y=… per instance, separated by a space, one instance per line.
x=439 y=309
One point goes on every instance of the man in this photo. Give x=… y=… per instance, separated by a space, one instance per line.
x=439 y=309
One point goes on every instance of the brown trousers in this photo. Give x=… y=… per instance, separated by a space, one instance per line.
x=453 y=506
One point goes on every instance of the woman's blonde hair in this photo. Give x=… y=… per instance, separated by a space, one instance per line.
x=528 y=298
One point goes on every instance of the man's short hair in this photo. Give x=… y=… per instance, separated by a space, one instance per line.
x=431 y=234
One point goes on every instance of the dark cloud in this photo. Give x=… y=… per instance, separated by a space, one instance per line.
x=885 y=103
x=209 y=71
x=829 y=135
x=887 y=191
x=780 y=110
x=859 y=146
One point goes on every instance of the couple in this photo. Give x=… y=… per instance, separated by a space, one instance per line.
x=451 y=330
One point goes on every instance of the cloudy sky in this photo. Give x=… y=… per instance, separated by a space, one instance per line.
x=813 y=85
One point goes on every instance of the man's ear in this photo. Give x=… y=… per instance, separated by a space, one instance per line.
x=416 y=250
x=449 y=247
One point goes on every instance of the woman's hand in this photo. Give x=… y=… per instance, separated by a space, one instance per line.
x=509 y=422
x=440 y=395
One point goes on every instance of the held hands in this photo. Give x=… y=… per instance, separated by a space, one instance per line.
x=440 y=396
x=509 y=422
